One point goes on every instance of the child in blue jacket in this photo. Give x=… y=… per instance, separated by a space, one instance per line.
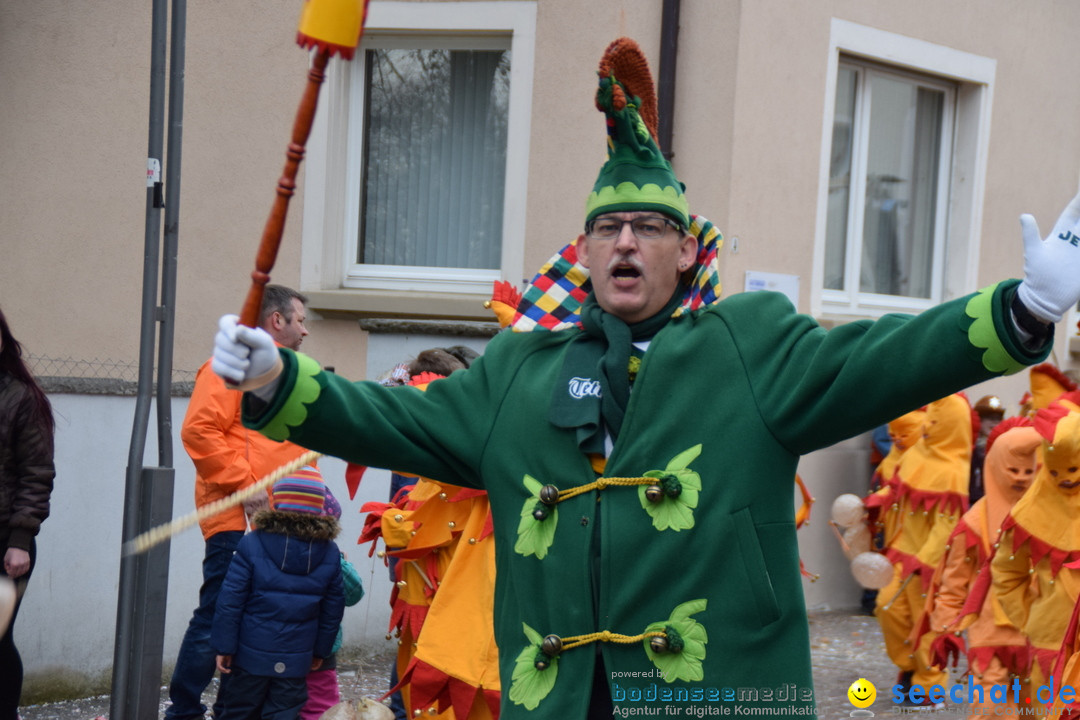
x=281 y=603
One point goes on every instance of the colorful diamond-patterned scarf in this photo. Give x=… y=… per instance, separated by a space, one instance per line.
x=553 y=299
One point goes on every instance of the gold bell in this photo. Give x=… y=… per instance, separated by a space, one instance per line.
x=658 y=643
x=654 y=493
x=551 y=645
x=549 y=494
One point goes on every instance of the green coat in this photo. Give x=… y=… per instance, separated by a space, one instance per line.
x=752 y=383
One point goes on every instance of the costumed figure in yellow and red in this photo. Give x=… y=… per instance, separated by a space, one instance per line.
x=1034 y=569
x=997 y=651
x=928 y=496
x=904 y=432
x=1047 y=384
x=443 y=599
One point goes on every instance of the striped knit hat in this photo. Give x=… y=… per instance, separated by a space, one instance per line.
x=301 y=492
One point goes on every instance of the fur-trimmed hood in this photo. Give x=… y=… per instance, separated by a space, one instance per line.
x=300 y=525
x=297 y=543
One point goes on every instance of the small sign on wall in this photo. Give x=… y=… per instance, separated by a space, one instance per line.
x=778 y=282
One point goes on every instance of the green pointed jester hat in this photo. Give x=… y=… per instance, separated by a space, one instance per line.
x=636 y=175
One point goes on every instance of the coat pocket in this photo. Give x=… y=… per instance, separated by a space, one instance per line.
x=757 y=571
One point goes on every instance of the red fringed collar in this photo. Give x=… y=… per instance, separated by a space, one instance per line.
x=898 y=491
x=946 y=502
x=1039 y=548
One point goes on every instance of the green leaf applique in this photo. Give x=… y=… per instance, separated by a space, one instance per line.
x=983 y=335
x=530 y=684
x=687 y=639
x=535 y=536
x=294 y=410
x=680 y=486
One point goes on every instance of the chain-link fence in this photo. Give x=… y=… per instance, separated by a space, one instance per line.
x=97 y=376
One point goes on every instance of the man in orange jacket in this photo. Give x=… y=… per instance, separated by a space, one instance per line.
x=228 y=457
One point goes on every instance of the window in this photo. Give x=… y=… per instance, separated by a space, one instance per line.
x=903 y=161
x=885 y=229
x=434 y=161
x=421 y=156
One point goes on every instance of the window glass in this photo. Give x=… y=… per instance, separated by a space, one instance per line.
x=434 y=166
x=901 y=188
x=840 y=180
x=883 y=232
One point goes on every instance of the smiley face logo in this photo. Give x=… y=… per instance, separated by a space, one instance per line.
x=862 y=693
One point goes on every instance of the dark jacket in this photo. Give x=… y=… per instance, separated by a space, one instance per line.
x=26 y=465
x=282 y=599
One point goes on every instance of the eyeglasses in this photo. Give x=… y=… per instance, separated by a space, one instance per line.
x=645 y=228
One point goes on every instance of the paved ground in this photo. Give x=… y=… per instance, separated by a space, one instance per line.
x=845 y=647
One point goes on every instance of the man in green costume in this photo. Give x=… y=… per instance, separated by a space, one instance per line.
x=638 y=448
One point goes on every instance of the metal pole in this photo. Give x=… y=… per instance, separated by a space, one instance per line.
x=172 y=230
x=156 y=492
x=126 y=606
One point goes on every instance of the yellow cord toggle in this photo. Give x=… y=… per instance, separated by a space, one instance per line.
x=607 y=636
x=603 y=483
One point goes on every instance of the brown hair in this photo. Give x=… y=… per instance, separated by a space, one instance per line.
x=11 y=362
x=278 y=298
x=435 y=360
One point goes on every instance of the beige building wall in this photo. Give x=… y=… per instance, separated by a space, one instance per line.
x=750 y=110
x=747 y=142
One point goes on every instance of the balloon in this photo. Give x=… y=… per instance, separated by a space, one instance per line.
x=872 y=570
x=847 y=510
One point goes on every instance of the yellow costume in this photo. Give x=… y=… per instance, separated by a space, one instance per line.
x=443 y=600
x=904 y=431
x=997 y=650
x=1040 y=537
x=1047 y=384
x=928 y=494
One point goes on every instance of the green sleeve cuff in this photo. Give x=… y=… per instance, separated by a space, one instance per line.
x=298 y=387
x=992 y=330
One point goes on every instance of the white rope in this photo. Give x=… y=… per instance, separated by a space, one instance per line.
x=161 y=533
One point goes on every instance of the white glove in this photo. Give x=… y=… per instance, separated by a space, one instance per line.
x=244 y=357
x=1051 y=282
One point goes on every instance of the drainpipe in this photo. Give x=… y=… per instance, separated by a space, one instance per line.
x=665 y=95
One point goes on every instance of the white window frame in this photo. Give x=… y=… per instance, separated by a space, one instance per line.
x=334 y=158
x=963 y=172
